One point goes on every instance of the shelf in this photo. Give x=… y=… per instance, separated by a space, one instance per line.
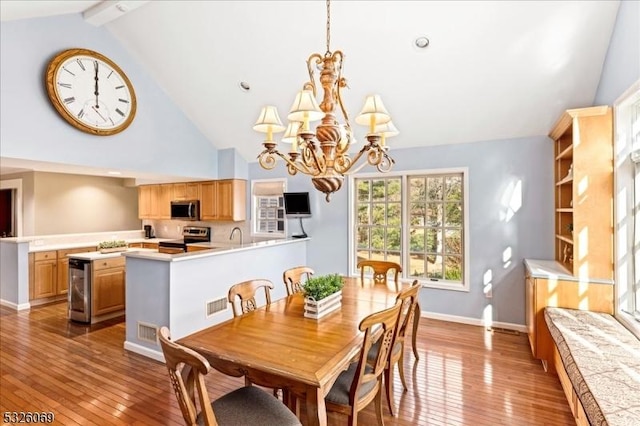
x=565 y=181
x=566 y=154
x=565 y=238
x=565 y=210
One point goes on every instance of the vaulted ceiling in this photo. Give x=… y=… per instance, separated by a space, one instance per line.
x=492 y=69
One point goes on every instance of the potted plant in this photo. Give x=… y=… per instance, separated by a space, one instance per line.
x=322 y=295
x=112 y=246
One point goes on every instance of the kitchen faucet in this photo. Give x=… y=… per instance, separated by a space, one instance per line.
x=233 y=231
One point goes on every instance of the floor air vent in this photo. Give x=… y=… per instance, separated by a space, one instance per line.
x=215 y=306
x=147 y=333
x=503 y=331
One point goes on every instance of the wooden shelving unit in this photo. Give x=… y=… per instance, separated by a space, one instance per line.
x=583 y=140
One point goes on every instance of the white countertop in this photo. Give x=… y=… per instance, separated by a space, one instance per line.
x=96 y=255
x=552 y=269
x=214 y=249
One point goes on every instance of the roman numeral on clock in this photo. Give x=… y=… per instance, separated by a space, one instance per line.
x=65 y=85
x=80 y=63
x=123 y=100
x=69 y=100
x=120 y=112
x=81 y=113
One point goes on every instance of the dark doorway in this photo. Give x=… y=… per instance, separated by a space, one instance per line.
x=7 y=215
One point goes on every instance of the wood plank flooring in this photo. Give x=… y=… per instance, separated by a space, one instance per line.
x=466 y=375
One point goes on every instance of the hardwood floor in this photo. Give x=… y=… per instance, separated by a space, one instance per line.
x=466 y=375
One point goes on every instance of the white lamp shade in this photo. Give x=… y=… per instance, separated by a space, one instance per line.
x=291 y=133
x=373 y=107
x=387 y=129
x=269 y=120
x=304 y=107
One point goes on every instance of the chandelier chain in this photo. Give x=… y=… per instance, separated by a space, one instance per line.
x=328 y=27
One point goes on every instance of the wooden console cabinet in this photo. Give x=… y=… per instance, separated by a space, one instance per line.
x=548 y=285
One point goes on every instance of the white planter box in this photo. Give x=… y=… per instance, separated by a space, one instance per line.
x=317 y=309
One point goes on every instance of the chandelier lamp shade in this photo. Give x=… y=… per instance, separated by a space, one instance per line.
x=323 y=152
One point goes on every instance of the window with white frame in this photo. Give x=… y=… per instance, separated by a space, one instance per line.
x=268 y=208
x=416 y=219
x=627 y=190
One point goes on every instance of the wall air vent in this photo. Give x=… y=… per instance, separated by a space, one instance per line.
x=215 y=306
x=148 y=333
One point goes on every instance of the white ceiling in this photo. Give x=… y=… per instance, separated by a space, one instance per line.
x=493 y=70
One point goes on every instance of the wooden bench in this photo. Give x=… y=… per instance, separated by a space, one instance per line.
x=598 y=362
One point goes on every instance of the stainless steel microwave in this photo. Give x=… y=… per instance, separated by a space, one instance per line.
x=185 y=210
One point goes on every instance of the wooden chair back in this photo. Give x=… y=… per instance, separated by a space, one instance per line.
x=409 y=300
x=187 y=369
x=293 y=278
x=381 y=326
x=380 y=269
x=246 y=292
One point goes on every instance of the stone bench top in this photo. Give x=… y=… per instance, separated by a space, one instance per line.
x=602 y=359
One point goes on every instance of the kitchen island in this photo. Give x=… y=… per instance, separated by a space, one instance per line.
x=188 y=292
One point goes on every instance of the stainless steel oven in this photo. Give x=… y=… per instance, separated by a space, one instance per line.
x=190 y=234
x=79 y=295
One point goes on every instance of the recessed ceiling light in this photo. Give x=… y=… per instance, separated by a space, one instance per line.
x=422 y=42
x=245 y=86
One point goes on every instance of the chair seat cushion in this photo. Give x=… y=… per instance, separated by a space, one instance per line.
x=339 y=393
x=251 y=406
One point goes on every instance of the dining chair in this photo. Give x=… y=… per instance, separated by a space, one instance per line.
x=293 y=278
x=246 y=292
x=380 y=270
x=247 y=405
x=408 y=300
x=361 y=382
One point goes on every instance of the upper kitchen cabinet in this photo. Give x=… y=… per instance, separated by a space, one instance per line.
x=186 y=191
x=223 y=200
x=154 y=201
x=220 y=200
x=583 y=140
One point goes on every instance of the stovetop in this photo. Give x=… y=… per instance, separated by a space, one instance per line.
x=191 y=234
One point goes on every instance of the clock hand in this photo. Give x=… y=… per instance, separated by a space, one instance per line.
x=95 y=66
x=95 y=108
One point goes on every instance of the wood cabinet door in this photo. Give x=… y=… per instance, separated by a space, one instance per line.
x=108 y=291
x=45 y=278
x=530 y=311
x=144 y=202
x=186 y=191
x=62 y=285
x=231 y=199
x=150 y=245
x=208 y=200
x=161 y=196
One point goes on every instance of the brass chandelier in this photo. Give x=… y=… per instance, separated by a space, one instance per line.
x=323 y=153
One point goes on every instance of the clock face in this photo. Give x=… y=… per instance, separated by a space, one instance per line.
x=91 y=92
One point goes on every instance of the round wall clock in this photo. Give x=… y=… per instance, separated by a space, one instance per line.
x=91 y=92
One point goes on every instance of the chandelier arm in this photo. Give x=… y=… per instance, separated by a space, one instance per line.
x=340 y=83
x=294 y=166
x=312 y=81
x=315 y=161
x=342 y=164
x=386 y=163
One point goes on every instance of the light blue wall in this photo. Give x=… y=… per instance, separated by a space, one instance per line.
x=231 y=165
x=622 y=64
x=495 y=167
x=159 y=140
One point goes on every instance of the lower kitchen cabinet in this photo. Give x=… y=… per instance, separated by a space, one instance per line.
x=49 y=273
x=108 y=286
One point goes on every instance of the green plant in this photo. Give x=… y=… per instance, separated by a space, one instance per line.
x=570 y=227
x=112 y=244
x=323 y=286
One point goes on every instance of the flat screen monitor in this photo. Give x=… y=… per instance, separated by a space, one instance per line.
x=296 y=204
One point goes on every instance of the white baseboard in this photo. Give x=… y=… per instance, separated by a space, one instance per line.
x=473 y=321
x=144 y=351
x=15 y=307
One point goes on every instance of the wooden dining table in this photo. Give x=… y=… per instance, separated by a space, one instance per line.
x=276 y=346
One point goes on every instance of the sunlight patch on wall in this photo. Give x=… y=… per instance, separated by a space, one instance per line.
x=506 y=257
x=487 y=288
x=511 y=200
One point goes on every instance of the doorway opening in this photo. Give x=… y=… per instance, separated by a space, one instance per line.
x=8 y=223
